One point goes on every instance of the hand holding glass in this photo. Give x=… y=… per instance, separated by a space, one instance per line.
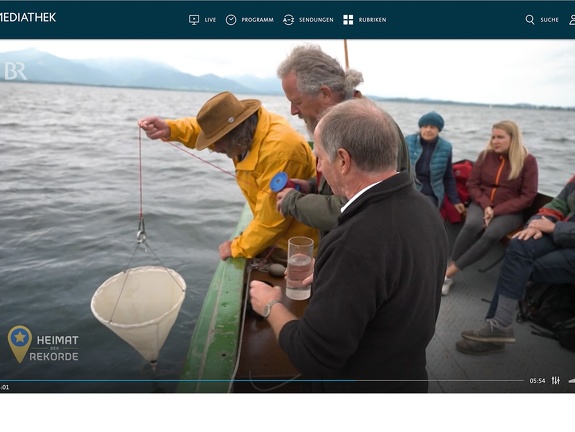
x=299 y=267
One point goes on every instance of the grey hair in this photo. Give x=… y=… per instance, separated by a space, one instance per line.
x=314 y=68
x=364 y=130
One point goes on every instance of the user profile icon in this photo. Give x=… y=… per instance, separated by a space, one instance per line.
x=572 y=22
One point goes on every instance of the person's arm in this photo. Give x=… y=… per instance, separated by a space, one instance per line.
x=268 y=225
x=261 y=294
x=314 y=210
x=449 y=182
x=474 y=184
x=155 y=127
x=264 y=229
x=558 y=208
x=564 y=234
x=184 y=130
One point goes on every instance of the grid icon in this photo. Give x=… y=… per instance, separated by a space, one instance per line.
x=348 y=20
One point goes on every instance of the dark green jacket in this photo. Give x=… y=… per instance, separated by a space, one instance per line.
x=321 y=209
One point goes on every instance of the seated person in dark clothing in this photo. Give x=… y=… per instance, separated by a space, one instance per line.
x=431 y=157
x=502 y=184
x=378 y=274
x=543 y=252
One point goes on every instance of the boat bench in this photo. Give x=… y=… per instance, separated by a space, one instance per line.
x=539 y=201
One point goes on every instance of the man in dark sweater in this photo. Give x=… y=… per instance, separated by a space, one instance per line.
x=378 y=273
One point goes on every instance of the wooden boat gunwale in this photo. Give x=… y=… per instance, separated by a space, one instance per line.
x=212 y=355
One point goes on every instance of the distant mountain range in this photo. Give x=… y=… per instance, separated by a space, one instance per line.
x=41 y=67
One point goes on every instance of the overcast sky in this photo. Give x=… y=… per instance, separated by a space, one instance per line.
x=540 y=72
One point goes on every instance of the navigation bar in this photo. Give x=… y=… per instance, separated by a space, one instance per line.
x=287 y=20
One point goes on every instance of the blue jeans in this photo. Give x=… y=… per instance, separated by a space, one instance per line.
x=533 y=260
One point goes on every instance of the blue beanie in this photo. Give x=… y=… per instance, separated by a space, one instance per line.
x=433 y=119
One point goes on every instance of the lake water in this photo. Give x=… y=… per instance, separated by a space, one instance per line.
x=69 y=211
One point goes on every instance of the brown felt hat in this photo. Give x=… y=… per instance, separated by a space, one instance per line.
x=221 y=114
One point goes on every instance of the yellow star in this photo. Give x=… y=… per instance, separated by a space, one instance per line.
x=20 y=337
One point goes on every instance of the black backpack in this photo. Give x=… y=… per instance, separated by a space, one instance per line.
x=550 y=307
x=564 y=332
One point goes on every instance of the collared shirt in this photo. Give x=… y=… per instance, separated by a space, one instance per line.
x=357 y=195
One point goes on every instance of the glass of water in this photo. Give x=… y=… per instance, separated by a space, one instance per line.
x=299 y=267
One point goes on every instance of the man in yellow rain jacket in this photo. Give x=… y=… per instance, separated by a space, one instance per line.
x=261 y=144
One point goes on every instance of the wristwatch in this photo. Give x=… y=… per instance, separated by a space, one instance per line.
x=268 y=308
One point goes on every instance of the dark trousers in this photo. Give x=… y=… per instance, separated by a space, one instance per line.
x=474 y=240
x=533 y=260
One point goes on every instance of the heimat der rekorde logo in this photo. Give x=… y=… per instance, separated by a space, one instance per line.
x=44 y=348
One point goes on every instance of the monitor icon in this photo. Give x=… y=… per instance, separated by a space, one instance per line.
x=194 y=19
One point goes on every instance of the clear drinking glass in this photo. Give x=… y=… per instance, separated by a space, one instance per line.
x=299 y=267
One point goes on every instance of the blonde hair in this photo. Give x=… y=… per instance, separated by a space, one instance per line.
x=517 y=151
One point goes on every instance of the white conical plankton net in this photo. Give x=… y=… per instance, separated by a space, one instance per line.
x=141 y=305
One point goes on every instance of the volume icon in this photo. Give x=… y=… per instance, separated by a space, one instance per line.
x=19 y=338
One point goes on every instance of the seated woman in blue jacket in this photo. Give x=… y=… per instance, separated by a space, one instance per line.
x=430 y=157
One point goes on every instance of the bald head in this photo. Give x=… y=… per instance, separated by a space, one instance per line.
x=363 y=130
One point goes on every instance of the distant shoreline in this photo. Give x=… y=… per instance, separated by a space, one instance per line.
x=270 y=93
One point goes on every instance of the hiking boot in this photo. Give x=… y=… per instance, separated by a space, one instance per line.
x=478 y=348
x=446 y=286
x=490 y=332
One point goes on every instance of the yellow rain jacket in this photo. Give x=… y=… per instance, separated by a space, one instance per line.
x=276 y=147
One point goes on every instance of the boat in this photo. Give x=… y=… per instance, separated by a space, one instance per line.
x=234 y=350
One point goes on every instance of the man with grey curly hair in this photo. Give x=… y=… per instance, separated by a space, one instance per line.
x=312 y=82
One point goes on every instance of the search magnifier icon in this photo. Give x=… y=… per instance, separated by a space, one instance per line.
x=529 y=19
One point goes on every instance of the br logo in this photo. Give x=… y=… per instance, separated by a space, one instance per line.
x=13 y=70
x=19 y=338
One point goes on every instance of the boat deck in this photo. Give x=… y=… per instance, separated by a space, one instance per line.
x=530 y=358
x=260 y=356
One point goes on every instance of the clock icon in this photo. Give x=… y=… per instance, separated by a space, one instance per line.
x=231 y=19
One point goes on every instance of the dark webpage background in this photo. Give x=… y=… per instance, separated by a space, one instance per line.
x=405 y=19
x=137 y=25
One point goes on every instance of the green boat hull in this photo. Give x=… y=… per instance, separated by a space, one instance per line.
x=212 y=356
